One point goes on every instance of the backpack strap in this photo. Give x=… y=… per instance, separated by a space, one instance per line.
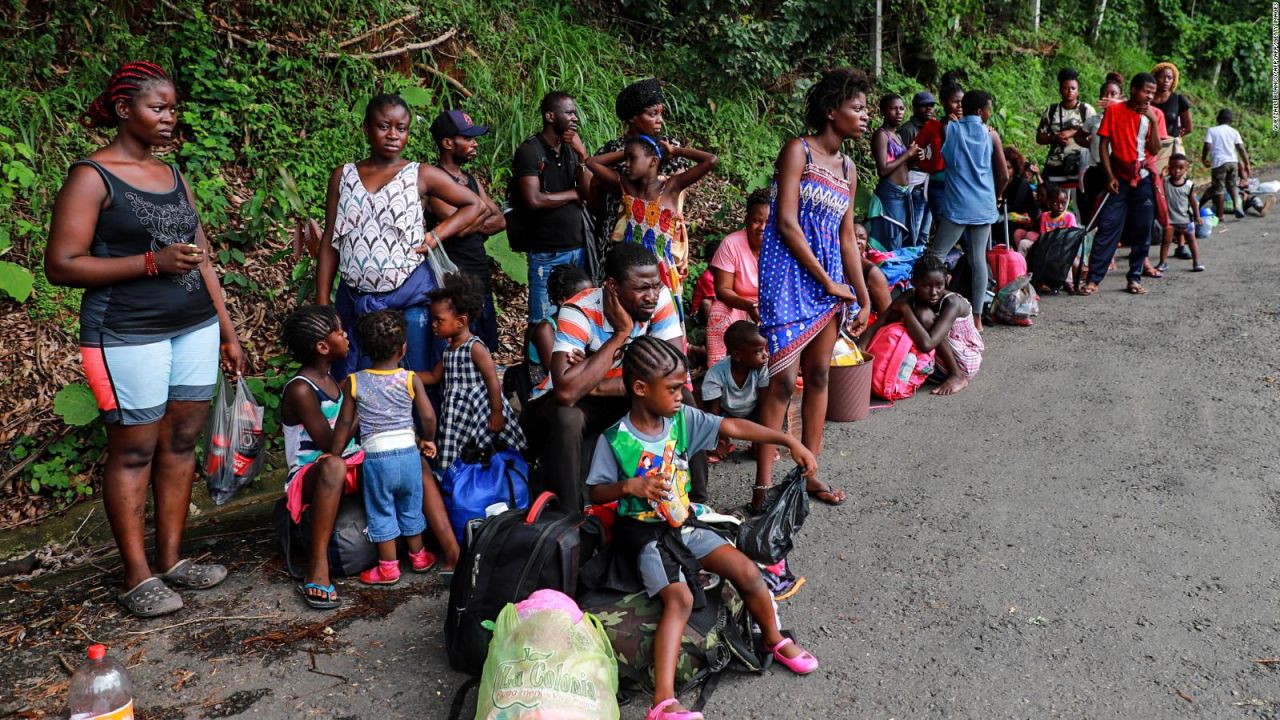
x=460 y=698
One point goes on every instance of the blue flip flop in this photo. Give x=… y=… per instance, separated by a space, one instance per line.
x=330 y=601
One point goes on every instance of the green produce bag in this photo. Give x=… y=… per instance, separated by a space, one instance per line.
x=547 y=667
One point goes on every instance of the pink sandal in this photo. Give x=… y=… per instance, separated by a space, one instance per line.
x=422 y=561
x=659 y=712
x=802 y=664
x=384 y=573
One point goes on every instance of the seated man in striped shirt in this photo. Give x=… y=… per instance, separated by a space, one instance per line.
x=584 y=393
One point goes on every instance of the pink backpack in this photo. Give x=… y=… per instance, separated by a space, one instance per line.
x=898 y=368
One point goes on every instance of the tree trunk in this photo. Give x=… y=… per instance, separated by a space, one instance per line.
x=1097 y=26
x=877 y=40
x=1035 y=15
x=1217 y=70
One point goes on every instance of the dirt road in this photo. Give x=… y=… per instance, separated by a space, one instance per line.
x=1091 y=530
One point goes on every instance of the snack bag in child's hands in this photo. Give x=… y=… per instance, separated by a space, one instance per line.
x=674 y=506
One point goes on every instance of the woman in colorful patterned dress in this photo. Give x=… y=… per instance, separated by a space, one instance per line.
x=650 y=212
x=809 y=251
x=374 y=238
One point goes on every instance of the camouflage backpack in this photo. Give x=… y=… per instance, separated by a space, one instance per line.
x=717 y=636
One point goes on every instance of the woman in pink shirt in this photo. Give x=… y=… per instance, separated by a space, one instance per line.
x=736 y=267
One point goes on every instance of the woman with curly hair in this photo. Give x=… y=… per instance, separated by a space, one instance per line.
x=810 y=268
x=1176 y=110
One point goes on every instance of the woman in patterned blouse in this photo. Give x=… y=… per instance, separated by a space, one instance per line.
x=374 y=234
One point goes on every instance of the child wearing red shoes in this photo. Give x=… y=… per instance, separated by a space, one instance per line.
x=383 y=399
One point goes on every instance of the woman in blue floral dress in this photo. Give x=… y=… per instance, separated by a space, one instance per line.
x=808 y=244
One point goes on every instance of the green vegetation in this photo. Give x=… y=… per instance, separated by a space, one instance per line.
x=272 y=99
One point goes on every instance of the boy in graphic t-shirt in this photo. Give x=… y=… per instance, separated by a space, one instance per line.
x=641 y=463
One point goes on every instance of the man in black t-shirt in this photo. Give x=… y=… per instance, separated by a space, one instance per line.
x=455 y=135
x=550 y=182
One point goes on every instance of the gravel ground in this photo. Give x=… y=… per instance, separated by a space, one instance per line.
x=1088 y=531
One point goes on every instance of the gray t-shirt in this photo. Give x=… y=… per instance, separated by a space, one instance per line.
x=1179 y=198
x=735 y=401
x=702 y=428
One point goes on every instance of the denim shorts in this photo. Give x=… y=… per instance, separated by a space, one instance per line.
x=700 y=541
x=393 y=494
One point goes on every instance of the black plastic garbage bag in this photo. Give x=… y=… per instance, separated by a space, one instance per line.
x=768 y=537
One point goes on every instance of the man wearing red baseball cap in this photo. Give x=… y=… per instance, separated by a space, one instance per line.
x=455 y=135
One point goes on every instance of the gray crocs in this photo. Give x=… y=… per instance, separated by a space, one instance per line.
x=150 y=598
x=190 y=576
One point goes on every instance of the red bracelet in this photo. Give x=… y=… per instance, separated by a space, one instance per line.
x=149 y=263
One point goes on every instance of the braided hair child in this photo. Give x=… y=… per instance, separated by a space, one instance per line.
x=641 y=460
x=314 y=337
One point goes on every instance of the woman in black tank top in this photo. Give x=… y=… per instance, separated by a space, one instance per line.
x=124 y=228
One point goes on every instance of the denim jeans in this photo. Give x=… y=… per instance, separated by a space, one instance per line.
x=485 y=327
x=894 y=228
x=540 y=267
x=392 y=484
x=923 y=217
x=937 y=191
x=422 y=350
x=1128 y=214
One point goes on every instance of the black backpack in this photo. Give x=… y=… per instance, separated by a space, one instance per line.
x=350 y=552
x=504 y=559
x=1050 y=258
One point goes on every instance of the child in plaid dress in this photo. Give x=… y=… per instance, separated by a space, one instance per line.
x=474 y=409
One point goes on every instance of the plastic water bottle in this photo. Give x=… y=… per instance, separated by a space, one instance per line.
x=100 y=690
x=217 y=454
x=249 y=442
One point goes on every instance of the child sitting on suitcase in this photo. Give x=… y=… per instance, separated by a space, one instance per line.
x=384 y=398
x=642 y=463
x=939 y=320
